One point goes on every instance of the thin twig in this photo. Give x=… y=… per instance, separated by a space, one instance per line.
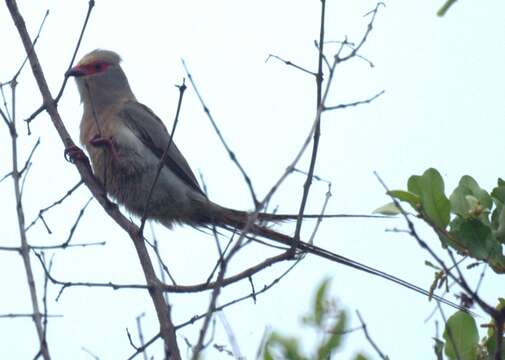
x=317 y=127
x=163 y=158
x=163 y=267
x=16 y=75
x=91 y=4
x=57 y=202
x=19 y=315
x=141 y=334
x=231 y=154
x=368 y=337
x=367 y=32
x=231 y=336
x=76 y=222
x=218 y=308
x=356 y=103
x=320 y=219
x=289 y=63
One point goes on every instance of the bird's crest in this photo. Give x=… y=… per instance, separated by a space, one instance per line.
x=100 y=55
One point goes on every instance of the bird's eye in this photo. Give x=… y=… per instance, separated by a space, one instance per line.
x=98 y=66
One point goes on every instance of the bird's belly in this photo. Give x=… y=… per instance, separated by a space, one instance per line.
x=129 y=178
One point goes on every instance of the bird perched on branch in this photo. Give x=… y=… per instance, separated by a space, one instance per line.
x=126 y=141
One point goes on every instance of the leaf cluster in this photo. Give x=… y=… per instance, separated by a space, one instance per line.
x=471 y=220
x=325 y=319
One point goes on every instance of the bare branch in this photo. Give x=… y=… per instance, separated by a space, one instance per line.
x=367 y=335
x=163 y=158
x=231 y=154
x=77 y=220
x=141 y=334
x=162 y=309
x=356 y=103
x=218 y=308
x=57 y=202
x=14 y=78
x=29 y=159
x=24 y=247
x=19 y=315
x=91 y=4
x=367 y=32
x=289 y=63
x=317 y=127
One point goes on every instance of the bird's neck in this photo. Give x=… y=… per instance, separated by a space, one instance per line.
x=98 y=98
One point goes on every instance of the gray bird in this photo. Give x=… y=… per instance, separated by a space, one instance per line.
x=126 y=140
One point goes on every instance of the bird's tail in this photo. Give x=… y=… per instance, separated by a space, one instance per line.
x=229 y=218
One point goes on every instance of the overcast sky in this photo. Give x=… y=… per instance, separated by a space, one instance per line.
x=443 y=108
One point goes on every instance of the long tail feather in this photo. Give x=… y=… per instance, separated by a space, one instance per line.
x=240 y=217
x=237 y=219
x=284 y=217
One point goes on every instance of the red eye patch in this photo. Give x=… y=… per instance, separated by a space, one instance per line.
x=93 y=68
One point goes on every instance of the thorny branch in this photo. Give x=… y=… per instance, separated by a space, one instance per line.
x=25 y=249
x=162 y=308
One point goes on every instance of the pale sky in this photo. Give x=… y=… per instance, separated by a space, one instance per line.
x=443 y=108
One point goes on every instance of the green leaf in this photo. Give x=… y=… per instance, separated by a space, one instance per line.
x=267 y=354
x=335 y=338
x=430 y=189
x=441 y=12
x=490 y=345
x=406 y=196
x=490 y=342
x=287 y=346
x=464 y=337
x=498 y=216
x=501 y=303
x=388 y=209
x=498 y=222
x=499 y=191
x=469 y=200
x=414 y=185
x=476 y=238
x=360 y=357
x=320 y=302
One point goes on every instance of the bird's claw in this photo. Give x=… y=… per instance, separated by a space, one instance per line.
x=73 y=153
x=100 y=141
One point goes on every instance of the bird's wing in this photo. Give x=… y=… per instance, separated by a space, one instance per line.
x=150 y=130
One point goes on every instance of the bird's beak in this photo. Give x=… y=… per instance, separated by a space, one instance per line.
x=76 y=71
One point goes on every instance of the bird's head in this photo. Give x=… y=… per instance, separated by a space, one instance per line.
x=100 y=78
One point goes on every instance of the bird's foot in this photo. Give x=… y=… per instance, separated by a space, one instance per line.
x=100 y=141
x=74 y=153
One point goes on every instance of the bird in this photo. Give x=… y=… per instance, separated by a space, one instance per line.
x=125 y=141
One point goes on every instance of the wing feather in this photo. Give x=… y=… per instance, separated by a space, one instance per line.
x=154 y=135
